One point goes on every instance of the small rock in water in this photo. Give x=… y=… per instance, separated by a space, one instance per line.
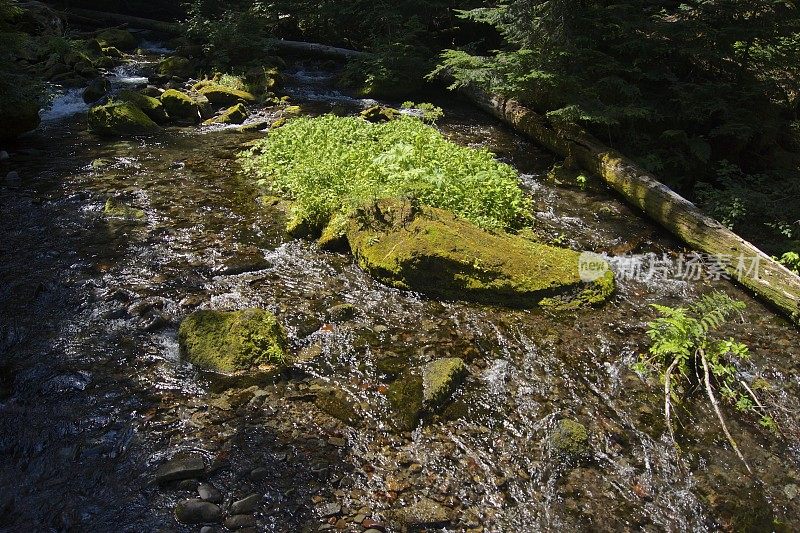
x=196 y=511
x=209 y=529
x=570 y=439
x=440 y=378
x=209 y=493
x=341 y=312
x=181 y=467
x=246 y=505
x=4 y=156
x=423 y=514
x=259 y=474
x=329 y=509
x=12 y=176
x=240 y=521
x=790 y=490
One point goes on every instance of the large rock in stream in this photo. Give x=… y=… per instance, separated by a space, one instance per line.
x=231 y=342
x=120 y=118
x=433 y=251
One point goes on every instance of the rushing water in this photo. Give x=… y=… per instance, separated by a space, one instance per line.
x=94 y=396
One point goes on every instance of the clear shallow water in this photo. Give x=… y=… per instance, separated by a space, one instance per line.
x=94 y=395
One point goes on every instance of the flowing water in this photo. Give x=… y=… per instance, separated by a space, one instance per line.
x=94 y=395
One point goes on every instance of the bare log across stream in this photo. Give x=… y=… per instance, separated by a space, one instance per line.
x=103 y=18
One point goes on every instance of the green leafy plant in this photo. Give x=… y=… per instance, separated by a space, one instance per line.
x=328 y=165
x=428 y=112
x=791 y=260
x=684 y=353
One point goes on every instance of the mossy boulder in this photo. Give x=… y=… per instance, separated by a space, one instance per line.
x=226 y=96
x=379 y=113
x=120 y=118
x=233 y=115
x=96 y=90
x=115 y=209
x=405 y=399
x=180 y=106
x=18 y=119
x=431 y=250
x=176 y=66
x=231 y=342
x=570 y=440
x=152 y=107
x=440 y=378
x=117 y=38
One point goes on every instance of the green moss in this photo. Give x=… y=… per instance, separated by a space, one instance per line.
x=570 y=439
x=233 y=115
x=440 y=378
x=121 y=39
x=180 y=105
x=115 y=209
x=237 y=341
x=405 y=399
x=152 y=107
x=226 y=96
x=379 y=113
x=119 y=118
x=176 y=66
x=433 y=251
x=334 y=236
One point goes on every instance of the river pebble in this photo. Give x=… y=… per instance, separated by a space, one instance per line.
x=195 y=511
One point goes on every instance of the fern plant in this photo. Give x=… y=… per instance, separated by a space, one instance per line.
x=683 y=350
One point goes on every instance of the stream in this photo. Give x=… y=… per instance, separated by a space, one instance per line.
x=94 y=395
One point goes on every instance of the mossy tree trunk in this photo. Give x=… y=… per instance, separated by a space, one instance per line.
x=745 y=263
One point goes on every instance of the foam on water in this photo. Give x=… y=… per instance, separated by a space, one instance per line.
x=66 y=104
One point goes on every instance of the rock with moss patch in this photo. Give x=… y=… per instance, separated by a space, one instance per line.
x=120 y=118
x=433 y=251
x=570 y=440
x=117 y=38
x=96 y=90
x=226 y=96
x=115 y=209
x=152 y=107
x=341 y=312
x=440 y=378
x=180 y=106
x=176 y=66
x=230 y=342
x=338 y=404
x=379 y=113
x=405 y=396
x=233 y=115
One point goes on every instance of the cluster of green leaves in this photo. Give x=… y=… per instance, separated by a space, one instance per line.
x=329 y=165
x=428 y=112
x=685 y=354
x=790 y=260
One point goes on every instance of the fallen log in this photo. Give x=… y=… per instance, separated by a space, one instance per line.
x=315 y=50
x=116 y=19
x=741 y=260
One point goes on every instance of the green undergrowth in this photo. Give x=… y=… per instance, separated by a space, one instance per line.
x=329 y=165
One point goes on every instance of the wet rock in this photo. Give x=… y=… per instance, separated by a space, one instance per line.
x=12 y=177
x=405 y=398
x=424 y=513
x=96 y=90
x=246 y=505
x=176 y=66
x=4 y=157
x=115 y=209
x=182 y=466
x=226 y=96
x=188 y=485
x=570 y=440
x=112 y=51
x=120 y=39
x=338 y=404
x=152 y=107
x=240 y=521
x=309 y=353
x=120 y=118
x=432 y=251
x=237 y=341
x=209 y=493
x=236 y=114
x=259 y=474
x=379 y=113
x=341 y=312
x=209 y=529
x=241 y=264
x=195 y=511
x=440 y=378
x=391 y=365
x=329 y=509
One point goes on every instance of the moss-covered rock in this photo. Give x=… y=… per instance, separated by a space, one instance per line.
x=177 y=66
x=570 y=440
x=120 y=39
x=180 y=106
x=233 y=115
x=152 y=107
x=18 y=119
x=225 y=96
x=120 y=118
x=405 y=399
x=440 y=378
x=97 y=89
x=379 y=113
x=115 y=209
x=251 y=339
x=432 y=251
x=341 y=312
x=338 y=404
